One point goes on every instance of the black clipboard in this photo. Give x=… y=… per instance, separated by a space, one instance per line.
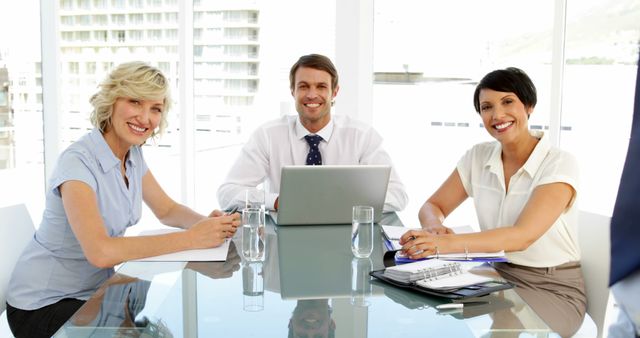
x=475 y=290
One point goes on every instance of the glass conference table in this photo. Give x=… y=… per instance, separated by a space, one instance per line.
x=309 y=285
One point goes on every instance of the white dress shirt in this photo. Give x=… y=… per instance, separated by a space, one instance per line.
x=281 y=142
x=482 y=175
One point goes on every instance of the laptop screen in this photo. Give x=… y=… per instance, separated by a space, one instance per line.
x=326 y=194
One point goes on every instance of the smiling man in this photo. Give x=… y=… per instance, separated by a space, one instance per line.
x=313 y=137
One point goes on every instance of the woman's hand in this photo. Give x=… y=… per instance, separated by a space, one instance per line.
x=420 y=243
x=437 y=229
x=218 y=270
x=216 y=213
x=212 y=231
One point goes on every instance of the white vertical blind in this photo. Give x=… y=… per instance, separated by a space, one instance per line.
x=354 y=58
x=557 y=70
x=50 y=83
x=185 y=89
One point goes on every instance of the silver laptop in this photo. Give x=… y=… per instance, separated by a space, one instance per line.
x=326 y=194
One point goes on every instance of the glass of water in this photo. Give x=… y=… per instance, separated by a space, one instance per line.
x=253 y=234
x=362 y=231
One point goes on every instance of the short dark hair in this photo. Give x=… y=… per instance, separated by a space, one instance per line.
x=315 y=61
x=512 y=80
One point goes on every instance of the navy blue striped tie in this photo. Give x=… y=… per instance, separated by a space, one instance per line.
x=314 y=157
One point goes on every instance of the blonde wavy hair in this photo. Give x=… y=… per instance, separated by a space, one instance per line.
x=136 y=80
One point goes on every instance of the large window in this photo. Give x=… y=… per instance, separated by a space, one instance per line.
x=21 y=147
x=125 y=32
x=238 y=46
x=247 y=67
x=599 y=89
x=428 y=57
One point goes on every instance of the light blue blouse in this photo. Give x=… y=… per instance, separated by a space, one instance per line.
x=52 y=266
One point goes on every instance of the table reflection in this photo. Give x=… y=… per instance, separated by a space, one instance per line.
x=361 y=281
x=253 y=286
x=309 y=285
x=312 y=318
x=218 y=270
x=113 y=311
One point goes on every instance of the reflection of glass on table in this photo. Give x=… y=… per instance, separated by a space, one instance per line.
x=252 y=287
x=360 y=281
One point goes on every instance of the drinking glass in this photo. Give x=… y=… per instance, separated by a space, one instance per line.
x=362 y=231
x=253 y=234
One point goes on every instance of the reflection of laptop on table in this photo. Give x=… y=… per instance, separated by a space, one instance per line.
x=315 y=262
x=325 y=194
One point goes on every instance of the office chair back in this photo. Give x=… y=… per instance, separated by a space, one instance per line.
x=593 y=238
x=16 y=229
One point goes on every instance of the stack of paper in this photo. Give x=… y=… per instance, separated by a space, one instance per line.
x=427 y=269
x=453 y=282
x=434 y=274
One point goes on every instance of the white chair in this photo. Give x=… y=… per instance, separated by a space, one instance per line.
x=595 y=244
x=16 y=229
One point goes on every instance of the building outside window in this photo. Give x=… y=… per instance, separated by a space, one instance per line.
x=423 y=84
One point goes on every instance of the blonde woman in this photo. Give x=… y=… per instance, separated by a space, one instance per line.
x=94 y=194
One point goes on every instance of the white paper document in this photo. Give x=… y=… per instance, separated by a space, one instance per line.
x=207 y=255
x=393 y=234
x=453 y=282
x=435 y=274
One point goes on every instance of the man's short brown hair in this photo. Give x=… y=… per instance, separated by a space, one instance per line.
x=315 y=61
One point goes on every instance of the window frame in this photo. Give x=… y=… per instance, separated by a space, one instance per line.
x=354 y=58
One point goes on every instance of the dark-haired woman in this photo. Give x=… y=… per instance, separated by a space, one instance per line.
x=524 y=191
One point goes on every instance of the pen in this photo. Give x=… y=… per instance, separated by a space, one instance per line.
x=449 y=306
x=233 y=210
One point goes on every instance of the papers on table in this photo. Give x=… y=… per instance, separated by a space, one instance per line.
x=435 y=274
x=213 y=254
x=392 y=236
x=393 y=233
x=433 y=268
x=143 y=271
x=453 y=282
